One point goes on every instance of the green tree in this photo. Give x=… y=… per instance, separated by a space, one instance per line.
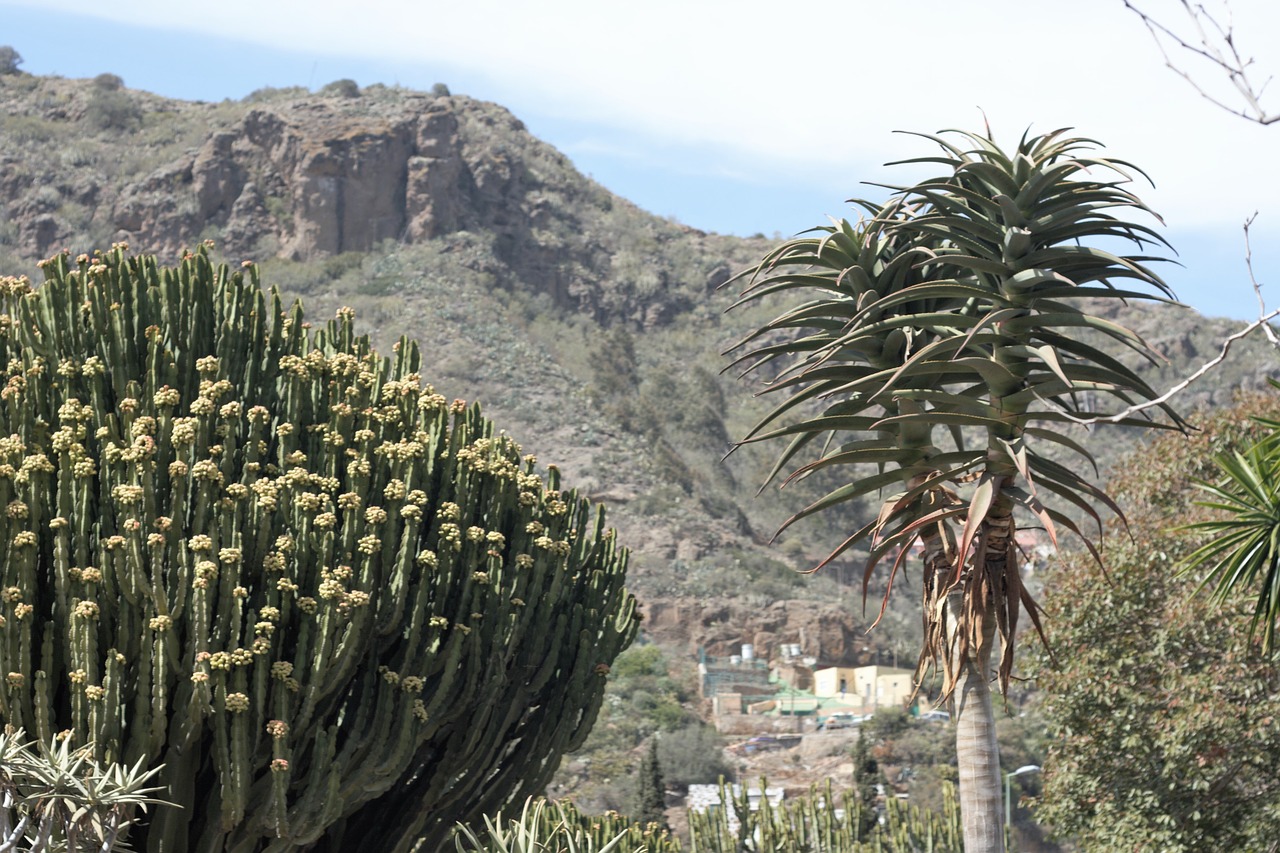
x=10 y=59
x=650 y=805
x=956 y=308
x=339 y=609
x=866 y=776
x=693 y=755
x=1162 y=712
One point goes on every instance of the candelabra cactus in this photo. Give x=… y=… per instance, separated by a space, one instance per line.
x=558 y=826
x=823 y=822
x=331 y=603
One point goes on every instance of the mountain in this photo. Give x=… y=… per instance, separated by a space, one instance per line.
x=587 y=327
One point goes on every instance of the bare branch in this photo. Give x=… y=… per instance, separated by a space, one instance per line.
x=1263 y=322
x=1257 y=286
x=1214 y=43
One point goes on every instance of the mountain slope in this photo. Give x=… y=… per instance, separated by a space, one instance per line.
x=589 y=328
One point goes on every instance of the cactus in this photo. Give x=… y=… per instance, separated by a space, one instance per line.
x=821 y=822
x=824 y=822
x=339 y=609
x=558 y=827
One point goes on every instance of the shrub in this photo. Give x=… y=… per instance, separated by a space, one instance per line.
x=113 y=110
x=108 y=82
x=558 y=826
x=344 y=88
x=266 y=94
x=693 y=755
x=58 y=798
x=10 y=59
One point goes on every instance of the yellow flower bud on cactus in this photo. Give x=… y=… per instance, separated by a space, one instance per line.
x=87 y=610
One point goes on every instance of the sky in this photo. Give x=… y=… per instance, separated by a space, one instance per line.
x=750 y=117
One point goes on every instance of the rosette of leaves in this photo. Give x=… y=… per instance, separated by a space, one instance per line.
x=337 y=607
x=1243 y=549
x=57 y=798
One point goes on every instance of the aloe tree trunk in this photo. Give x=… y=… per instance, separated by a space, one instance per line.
x=977 y=756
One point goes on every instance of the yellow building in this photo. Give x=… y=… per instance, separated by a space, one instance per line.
x=873 y=686
x=835 y=681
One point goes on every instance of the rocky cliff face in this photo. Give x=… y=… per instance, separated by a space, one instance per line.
x=304 y=176
x=321 y=178
x=720 y=626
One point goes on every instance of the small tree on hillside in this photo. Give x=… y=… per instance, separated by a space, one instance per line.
x=344 y=88
x=650 y=798
x=10 y=59
x=866 y=776
x=108 y=82
x=693 y=755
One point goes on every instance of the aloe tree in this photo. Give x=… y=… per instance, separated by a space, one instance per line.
x=947 y=340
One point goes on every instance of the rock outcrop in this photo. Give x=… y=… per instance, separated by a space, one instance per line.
x=309 y=176
x=829 y=631
x=320 y=178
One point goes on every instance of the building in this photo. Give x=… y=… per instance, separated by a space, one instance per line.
x=708 y=798
x=871 y=686
x=786 y=702
x=742 y=674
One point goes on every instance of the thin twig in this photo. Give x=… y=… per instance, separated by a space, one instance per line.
x=1263 y=321
x=1217 y=48
x=1257 y=286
